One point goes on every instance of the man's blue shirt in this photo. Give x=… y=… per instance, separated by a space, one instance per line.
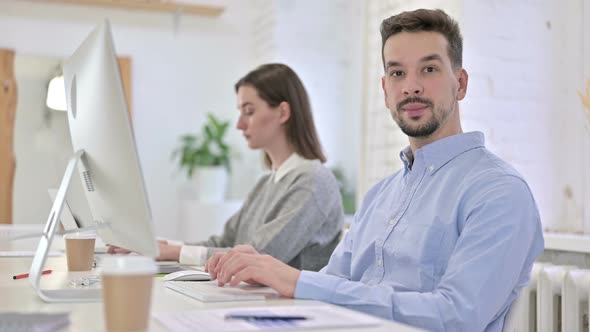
x=444 y=244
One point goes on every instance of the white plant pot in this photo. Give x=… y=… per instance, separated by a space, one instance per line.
x=210 y=184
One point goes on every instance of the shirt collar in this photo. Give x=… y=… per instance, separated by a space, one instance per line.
x=288 y=165
x=440 y=152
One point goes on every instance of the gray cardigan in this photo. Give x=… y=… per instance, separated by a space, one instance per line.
x=297 y=220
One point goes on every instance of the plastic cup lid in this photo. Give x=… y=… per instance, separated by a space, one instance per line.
x=128 y=264
x=81 y=235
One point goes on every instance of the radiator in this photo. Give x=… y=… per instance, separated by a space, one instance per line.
x=522 y=316
x=549 y=297
x=556 y=300
x=575 y=301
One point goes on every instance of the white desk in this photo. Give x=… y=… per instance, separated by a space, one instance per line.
x=18 y=296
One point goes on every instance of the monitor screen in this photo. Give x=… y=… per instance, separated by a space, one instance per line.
x=100 y=126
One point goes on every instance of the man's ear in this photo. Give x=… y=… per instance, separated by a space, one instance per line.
x=463 y=79
x=285 y=112
x=384 y=90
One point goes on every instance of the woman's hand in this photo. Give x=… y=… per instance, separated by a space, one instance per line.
x=167 y=252
x=111 y=249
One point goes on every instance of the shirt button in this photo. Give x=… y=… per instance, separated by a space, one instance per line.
x=379 y=262
x=430 y=168
x=392 y=221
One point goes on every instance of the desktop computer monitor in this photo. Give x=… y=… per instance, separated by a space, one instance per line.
x=100 y=126
x=106 y=158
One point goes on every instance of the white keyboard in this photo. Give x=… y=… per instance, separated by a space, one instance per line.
x=208 y=291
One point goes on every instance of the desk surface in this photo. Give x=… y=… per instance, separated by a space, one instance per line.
x=18 y=296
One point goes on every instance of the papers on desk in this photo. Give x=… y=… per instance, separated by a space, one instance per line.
x=33 y=322
x=265 y=318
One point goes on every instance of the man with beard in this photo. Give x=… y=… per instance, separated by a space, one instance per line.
x=447 y=242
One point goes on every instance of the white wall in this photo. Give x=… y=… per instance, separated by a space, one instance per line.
x=322 y=42
x=41 y=140
x=177 y=77
x=526 y=61
x=586 y=142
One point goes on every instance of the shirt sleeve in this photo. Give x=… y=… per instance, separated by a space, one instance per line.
x=295 y=219
x=298 y=216
x=339 y=264
x=227 y=238
x=500 y=239
x=230 y=229
x=193 y=255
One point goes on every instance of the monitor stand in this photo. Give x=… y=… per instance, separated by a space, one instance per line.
x=60 y=295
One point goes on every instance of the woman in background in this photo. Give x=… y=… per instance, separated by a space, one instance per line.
x=294 y=213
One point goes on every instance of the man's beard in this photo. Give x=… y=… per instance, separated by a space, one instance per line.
x=426 y=129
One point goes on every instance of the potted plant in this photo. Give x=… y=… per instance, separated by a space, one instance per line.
x=347 y=192
x=205 y=159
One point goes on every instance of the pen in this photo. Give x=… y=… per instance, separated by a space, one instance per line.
x=264 y=317
x=26 y=275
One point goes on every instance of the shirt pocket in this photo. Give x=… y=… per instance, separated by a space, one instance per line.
x=415 y=253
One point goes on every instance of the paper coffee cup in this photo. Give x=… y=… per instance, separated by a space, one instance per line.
x=127 y=290
x=80 y=250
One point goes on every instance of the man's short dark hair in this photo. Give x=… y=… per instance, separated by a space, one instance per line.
x=426 y=20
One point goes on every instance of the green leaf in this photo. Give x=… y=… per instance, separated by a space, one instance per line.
x=208 y=149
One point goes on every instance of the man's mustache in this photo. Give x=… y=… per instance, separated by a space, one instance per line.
x=413 y=100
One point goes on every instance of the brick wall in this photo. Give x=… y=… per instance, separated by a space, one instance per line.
x=525 y=59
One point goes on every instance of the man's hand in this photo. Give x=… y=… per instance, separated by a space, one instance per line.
x=237 y=265
x=167 y=252
x=218 y=258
